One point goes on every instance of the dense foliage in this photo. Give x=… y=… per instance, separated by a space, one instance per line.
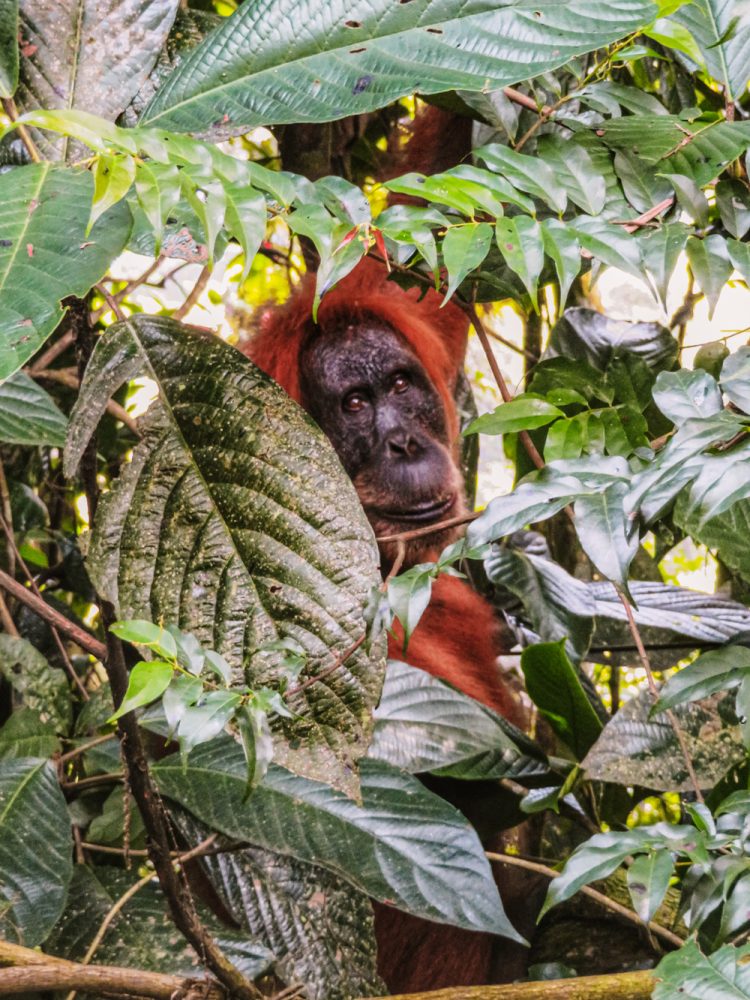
x=203 y=581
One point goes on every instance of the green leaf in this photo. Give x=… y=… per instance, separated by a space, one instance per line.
x=553 y=685
x=606 y=533
x=26 y=735
x=648 y=881
x=735 y=378
x=596 y=858
x=739 y=254
x=41 y=687
x=688 y=974
x=717 y=670
x=642 y=187
x=733 y=199
x=443 y=189
x=257 y=68
x=525 y=412
x=487 y=190
x=424 y=724
x=148 y=681
x=575 y=172
x=690 y=198
x=685 y=395
x=656 y=486
x=145 y=633
x=557 y=605
x=113 y=178
x=727 y=533
x=8 y=47
x=660 y=250
x=561 y=244
x=639 y=748
x=205 y=720
x=28 y=415
x=45 y=255
x=158 y=188
x=257 y=744
x=722 y=30
x=525 y=172
x=233 y=492
x=519 y=240
x=711 y=266
x=35 y=858
x=181 y=694
x=408 y=595
x=386 y=847
x=246 y=220
x=206 y=195
x=719 y=482
x=609 y=243
x=464 y=249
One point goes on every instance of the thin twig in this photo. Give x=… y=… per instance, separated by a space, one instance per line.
x=129 y=287
x=398 y=562
x=502 y=385
x=6 y=619
x=7 y=512
x=669 y=937
x=103 y=980
x=430 y=529
x=338 y=662
x=526 y=101
x=84 y=748
x=194 y=295
x=67 y=662
x=119 y=904
x=36 y=604
x=67 y=378
x=643 y=656
x=113 y=304
x=648 y=216
x=511 y=346
x=92 y=781
x=12 y=112
x=52 y=353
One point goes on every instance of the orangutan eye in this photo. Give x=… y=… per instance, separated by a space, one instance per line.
x=354 y=402
x=400 y=382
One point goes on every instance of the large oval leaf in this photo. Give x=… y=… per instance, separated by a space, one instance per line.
x=45 y=254
x=35 y=859
x=91 y=55
x=258 y=68
x=403 y=845
x=236 y=522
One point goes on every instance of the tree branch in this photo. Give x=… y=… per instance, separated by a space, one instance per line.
x=36 y=604
x=619 y=986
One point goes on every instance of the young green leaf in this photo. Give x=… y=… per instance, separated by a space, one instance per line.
x=149 y=679
x=246 y=220
x=113 y=177
x=464 y=249
x=157 y=186
x=257 y=744
x=519 y=240
x=409 y=594
x=648 y=881
x=709 y=259
x=216 y=662
x=555 y=688
x=202 y=722
x=562 y=246
x=525 y=172
x=144 y=633
x=181 y=694
x=525 y=412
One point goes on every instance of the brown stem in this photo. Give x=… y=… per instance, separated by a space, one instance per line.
x=502 y=385
x=526 y=102
x=338 y=662
x=52 y=353
x=617 y=986
x=67 y=378
x=194 y=295
x=532 y=866
x=6 y=619
x=12 y=112
x=451 y=522
x=7 y=513
x=103 y=979
x=648 y=216
x=92 y=781
x=36 y=604
x=85 y=747
x=111 y=301
x=645 y=661
x=129 y=287
x=398 y=562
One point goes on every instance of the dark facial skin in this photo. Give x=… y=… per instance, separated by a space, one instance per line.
x=371 y=396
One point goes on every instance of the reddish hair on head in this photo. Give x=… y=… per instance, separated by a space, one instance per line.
x=436 y=335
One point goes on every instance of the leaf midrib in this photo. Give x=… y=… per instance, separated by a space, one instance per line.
x=334 y=52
